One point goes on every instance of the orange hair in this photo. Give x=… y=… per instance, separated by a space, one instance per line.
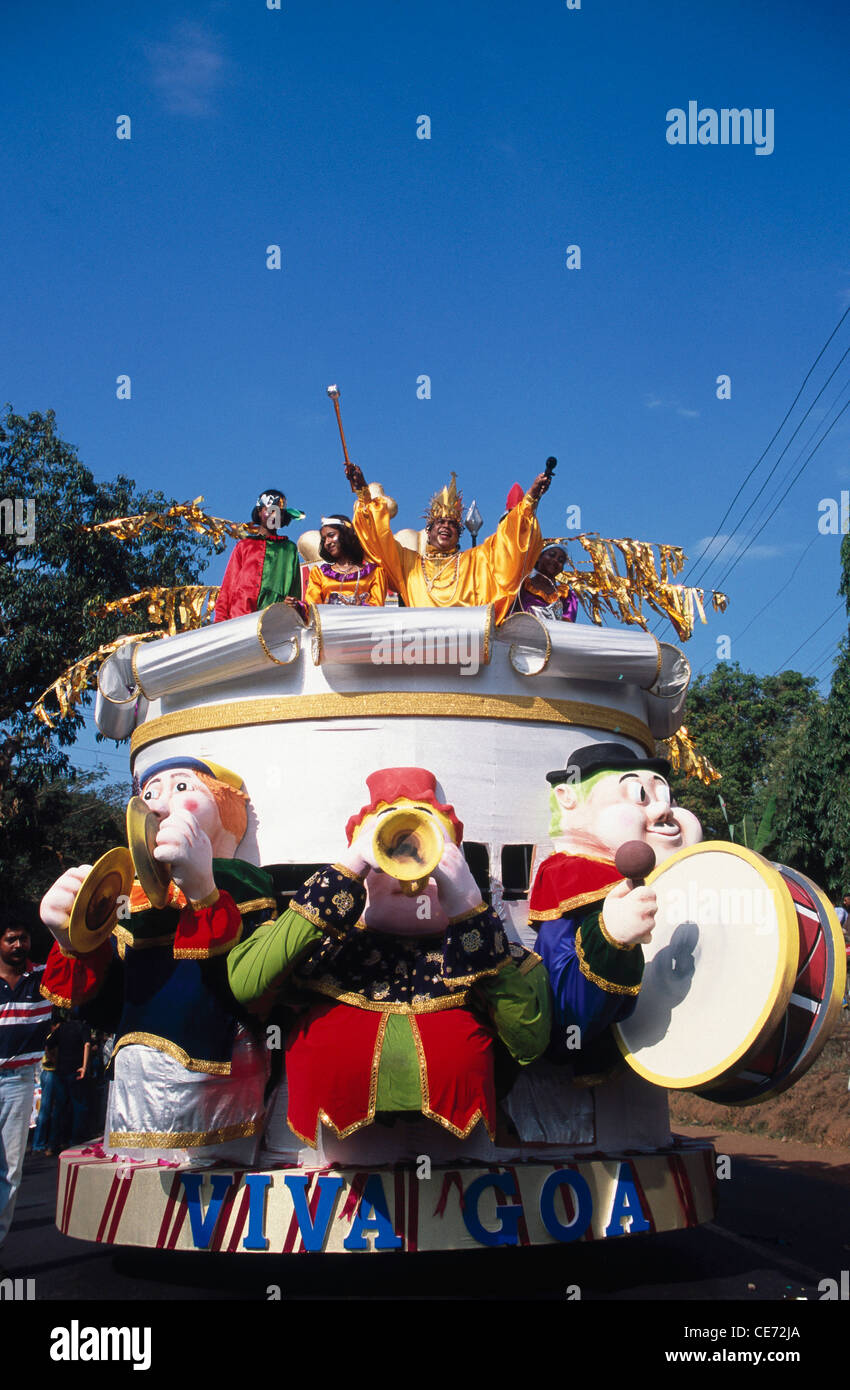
x=232 y=805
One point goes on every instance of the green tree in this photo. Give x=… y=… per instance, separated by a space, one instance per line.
x=739 y=721
x=61 y=822
x=51 y=584
x=814 y=811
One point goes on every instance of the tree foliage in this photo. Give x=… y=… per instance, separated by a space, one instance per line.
x=49 y=591
x=814 y=809
x=60 y=823
x=740 y=721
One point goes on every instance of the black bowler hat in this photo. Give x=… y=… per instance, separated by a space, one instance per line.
x=604 y=757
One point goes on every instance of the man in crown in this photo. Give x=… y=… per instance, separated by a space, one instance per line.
x=446 y=576
x=402 y=997
x=189 y=1077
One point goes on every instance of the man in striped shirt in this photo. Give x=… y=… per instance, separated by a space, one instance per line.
x=24 y=1024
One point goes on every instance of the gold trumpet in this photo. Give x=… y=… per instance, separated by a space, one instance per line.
x=95 y=910
x=408 y=845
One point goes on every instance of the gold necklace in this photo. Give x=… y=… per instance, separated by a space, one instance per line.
x=343 y=574
x=438 y=573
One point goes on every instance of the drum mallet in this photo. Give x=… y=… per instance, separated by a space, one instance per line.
x=634 y=860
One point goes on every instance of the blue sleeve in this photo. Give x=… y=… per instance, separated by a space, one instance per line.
x=578 y=1001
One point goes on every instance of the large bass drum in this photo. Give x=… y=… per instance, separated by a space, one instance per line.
x=744 y=977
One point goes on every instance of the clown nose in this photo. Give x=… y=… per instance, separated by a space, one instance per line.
x=634 y=860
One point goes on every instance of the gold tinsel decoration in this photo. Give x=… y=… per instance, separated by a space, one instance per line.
x=685 y=757
x=177 y=610
x=646 y=580
x=171 y=610
x=127 y=528
x=69 y=688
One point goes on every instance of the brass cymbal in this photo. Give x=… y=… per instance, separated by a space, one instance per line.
x=155 y=877
x=95 y=909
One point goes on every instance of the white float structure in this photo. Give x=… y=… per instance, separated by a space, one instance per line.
x=305 y=711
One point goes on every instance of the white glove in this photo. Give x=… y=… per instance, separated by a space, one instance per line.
x=629 y=913
x=457 y=889
x=186 y=848
x=55 y=909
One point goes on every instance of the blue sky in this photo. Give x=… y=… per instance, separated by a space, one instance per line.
x=446 y=257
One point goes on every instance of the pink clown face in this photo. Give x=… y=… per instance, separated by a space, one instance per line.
x=181 y=789
x=633 y=805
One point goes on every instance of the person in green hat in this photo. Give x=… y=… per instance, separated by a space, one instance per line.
x=264 y=568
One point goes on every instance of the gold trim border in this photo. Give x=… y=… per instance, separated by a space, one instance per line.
x=388 y=704
x=182 y=1139
x=293 y=641
x=659 y=658
x=779 y=993
x=488 y=635
x=316 y=646
x=172 y=1050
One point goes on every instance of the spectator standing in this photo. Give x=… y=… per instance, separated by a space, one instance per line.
x=70 y=1121
x=45 y=1109
x=24 y=1023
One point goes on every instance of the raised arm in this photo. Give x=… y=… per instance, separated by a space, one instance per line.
x=513 y=548
x=372 y=524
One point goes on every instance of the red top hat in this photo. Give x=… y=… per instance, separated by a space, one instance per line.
x=392 y=784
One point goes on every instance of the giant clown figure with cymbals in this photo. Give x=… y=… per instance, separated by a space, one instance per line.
x=189 y=1077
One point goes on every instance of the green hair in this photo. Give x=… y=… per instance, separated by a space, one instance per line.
x=582 y=789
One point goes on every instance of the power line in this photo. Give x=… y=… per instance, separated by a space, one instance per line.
x=770 y=515
x=776 y=433
x=770 y=601
x=783 y=666
x=784 y=451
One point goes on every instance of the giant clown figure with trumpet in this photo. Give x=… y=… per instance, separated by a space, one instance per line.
x=404 y=976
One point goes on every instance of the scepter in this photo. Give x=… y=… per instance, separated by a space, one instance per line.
x=333 y=392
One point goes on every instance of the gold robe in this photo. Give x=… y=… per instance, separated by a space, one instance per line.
x=366 y=585
x=489 y=573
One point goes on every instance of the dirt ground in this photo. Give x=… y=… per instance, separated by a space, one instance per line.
x=815 y=1111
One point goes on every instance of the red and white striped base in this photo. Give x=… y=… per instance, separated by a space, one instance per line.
x=338 y=1210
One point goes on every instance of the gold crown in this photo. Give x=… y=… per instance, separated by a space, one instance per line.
x=447 y=503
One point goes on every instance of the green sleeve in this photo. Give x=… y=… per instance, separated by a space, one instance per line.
x=261 y=963
x=519 y=1001
x=616 y=969
x=327 y=906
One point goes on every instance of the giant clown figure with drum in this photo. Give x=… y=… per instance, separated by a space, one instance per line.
x=592 y=913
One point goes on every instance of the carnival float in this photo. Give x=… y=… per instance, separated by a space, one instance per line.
x=411 y=941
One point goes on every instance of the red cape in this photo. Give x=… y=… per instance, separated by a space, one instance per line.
x=566 y=882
